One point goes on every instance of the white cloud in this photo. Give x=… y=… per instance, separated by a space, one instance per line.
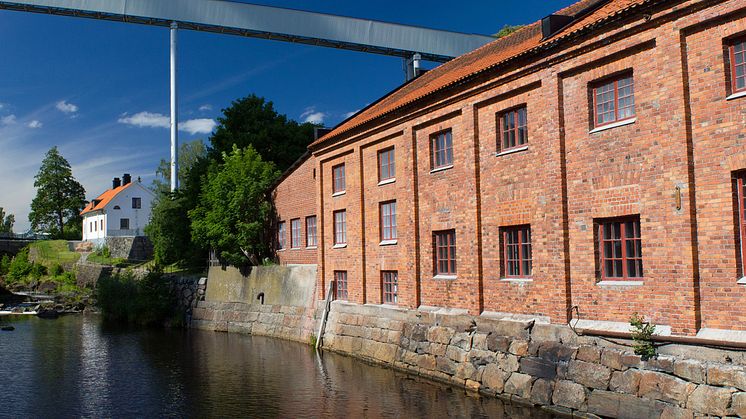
x=198 y=126
x=205 y=108
x=66 y=107
x=157 y=120
x=8 y=120
x=310 y=115
x=349 y=114
x=35 y=124
x=146 y=120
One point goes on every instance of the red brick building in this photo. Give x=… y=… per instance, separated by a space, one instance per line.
x=595 y=159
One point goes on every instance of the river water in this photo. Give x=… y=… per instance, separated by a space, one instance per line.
x=76 y=367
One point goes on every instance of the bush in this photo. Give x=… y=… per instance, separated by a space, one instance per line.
x=642 y=333
x=103 y=252
x=20 y=268
x=126 y=299
x=56 y=270
x=4 y=265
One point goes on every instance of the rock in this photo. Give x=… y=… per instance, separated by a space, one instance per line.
x=604 y=403
x=631 y=360
x=555 y=352
x=589 y=353
x=738 y=405
x=568 y=394
x=457 y=354
x=497 y=343
x=508 y=363
x=675 y=412
x=710 y=400
x=438 y=334
x=519 y=348
x=519 y=384
x=625 y=382
x=660 y=363
x=47 y=313
x=478 y=357
x=690 y=370
x=538 y=367
x=612 y=359
x=727 y=375
x=426 y=362
x=608 y=403
x=7 y=328
x=445 y=365
x=541 y=392
x=588 y=374
x=466 y=371
x=461 y=341
x=494 y=378
x=658 y=386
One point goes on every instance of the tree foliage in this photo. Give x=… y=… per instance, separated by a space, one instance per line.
x=234 y=209
x=6 y=221
x=59 y=197
x=254 y=121
x=507 y=30
x=169 y=231
x=190 y=153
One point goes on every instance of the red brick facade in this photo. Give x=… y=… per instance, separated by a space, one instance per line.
x=672 y=167
x=295 y=199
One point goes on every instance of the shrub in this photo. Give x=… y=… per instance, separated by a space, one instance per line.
x=56 y=270
x=642 y=333
x=4 y=265
x=20 y=268
x=103 y=251
x=125 y=299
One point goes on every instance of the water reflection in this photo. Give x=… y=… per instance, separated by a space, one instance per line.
x=74 y=367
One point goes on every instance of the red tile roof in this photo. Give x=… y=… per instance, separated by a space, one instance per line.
x=481 y=59
x=103 y=200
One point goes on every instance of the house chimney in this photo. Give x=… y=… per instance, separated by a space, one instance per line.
x=116 y=183
x=126 y=179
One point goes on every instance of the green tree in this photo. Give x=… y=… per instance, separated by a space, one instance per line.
x=507 y=30
x=59 y=197
x=169 y=231
x=6 y=221
x=234 y=209
x=254 y=121
x=190 y=154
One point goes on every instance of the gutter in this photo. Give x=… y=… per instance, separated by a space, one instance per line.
x=668 y=340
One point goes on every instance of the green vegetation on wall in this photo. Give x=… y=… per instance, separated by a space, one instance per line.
x=128 y=300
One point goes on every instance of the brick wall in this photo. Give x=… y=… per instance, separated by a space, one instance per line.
x=687 y=139
x=295 y=198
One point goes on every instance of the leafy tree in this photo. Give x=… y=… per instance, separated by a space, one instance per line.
x=6 y=221
x=234 y=209
x=507 y=30
x=254 y=121
x=169 y=231
x=59 y=197
x=190 y=154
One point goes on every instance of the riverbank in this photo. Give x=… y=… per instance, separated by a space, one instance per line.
x=523 y=360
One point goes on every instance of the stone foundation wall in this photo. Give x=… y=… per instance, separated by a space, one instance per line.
x=543 y=364
x=131 y=248
x=188 y=290
x=286 y=322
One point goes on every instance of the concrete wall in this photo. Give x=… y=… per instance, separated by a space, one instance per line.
x=288 y=285
x=132 y=248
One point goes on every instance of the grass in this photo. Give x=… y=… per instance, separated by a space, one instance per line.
x=50 y=252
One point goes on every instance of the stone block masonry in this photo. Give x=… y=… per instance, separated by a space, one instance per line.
x=524 y=362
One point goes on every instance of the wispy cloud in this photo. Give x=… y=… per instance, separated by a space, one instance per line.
x=349 y=114
x=34 y=124
x=67 y=107
x=157 y=120
x=8 y=120
x=205 y=108
x=313 y=116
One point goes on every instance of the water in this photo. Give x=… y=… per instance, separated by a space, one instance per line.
x=75 y=367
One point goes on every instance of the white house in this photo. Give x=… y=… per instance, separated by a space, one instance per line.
x=122 y=211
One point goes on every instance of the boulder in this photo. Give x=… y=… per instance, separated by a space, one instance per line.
x=538 y=367
x=589 y=353
x=738 y=405
x=727 y=375
x=519 y=384
x=710 y=400
x=541 y=392
x=588 y=374
x=494 y=378
x=625 y=382
x=690 y=370
x=659 y=386
x=568 y=394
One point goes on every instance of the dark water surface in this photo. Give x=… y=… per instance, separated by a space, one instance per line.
x=75 y=367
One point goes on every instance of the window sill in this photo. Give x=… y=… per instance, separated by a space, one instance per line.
x=281 y=250
x=518 y=280
x=440 y=169
x=387 y=181
x=388 y=242
x=742 y=281
x=295 y=248
x=339 y=193
x=339 y=246
x=736 y=95
x=311 y=247
x=445 y=277
x=512 y=150
x=621 y=283
x=613 y=125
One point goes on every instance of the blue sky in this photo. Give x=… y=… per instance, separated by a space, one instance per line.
x=99 y=90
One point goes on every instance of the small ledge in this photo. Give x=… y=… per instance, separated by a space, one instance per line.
x=611 y=326
x=440 y=169
x=620 y=283
x=340 y=193
x=722 y=335
x=512 y=150
x=445 y=277
x=443 y=310
x=339 y=246
x=742 y=281
x=281 y=250
x=311 y=247
x=518 y=280
x=295 y=248
x=498 y=315
x=736 y=95
x=387 y=181
x=613 y=125
x=388 y=242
